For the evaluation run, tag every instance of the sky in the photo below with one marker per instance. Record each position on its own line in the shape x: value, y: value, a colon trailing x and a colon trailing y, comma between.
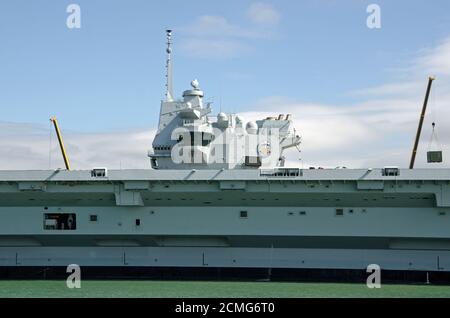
x: 355, y: 92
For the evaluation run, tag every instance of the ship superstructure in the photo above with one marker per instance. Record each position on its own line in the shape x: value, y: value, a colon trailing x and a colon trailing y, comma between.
x: 188, y: 139
x: 208, y: 202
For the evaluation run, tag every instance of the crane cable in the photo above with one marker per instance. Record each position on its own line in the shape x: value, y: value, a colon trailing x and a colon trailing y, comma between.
x: 434, y: 138
x: 434, y: 114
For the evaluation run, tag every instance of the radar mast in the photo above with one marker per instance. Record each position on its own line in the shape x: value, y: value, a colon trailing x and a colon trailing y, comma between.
x: 169, y: 88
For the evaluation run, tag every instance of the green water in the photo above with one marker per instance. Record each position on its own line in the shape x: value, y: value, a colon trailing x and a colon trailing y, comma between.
x: 122, y: 288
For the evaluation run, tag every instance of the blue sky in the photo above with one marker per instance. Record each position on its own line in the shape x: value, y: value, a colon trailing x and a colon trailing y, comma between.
x: 112, y: 69
x: 249, y: 56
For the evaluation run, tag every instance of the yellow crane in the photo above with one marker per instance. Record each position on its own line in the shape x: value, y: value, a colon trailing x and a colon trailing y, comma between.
x: 61, y: 142
x: 419, y: 128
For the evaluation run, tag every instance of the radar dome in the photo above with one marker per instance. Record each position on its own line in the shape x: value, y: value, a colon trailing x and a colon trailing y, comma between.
x: 222, y: 117
x: 251, y: 127
x: 195, y: 84
x: 222, y: 120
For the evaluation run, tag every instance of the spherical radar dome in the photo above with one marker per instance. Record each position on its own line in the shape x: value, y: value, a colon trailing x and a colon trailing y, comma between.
x: 221, y: 117
x: 251, y: 127
x: 195, y: 84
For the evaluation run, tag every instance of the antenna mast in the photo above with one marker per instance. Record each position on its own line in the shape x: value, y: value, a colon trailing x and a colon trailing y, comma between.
x: 169, y: 89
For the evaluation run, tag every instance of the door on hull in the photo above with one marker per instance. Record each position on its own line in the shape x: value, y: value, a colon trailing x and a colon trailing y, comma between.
x: 60, y: 221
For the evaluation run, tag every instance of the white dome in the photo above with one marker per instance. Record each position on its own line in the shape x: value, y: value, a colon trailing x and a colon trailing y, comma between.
x: 195, y: 84
x: 251, y: 127
x: 222, y: 117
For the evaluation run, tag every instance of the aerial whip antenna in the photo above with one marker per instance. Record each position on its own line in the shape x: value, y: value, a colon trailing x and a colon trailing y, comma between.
x: 169, y: 88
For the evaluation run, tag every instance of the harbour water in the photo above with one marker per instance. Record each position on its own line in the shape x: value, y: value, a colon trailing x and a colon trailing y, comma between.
x: 206, y: 289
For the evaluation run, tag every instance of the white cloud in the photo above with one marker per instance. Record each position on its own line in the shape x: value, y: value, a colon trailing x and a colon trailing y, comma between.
x: 213, y: 36
x: 437, y: 60
x: 210, y: 26
x: 27, y: 146
x: 375, y: 133
x: 393, y: 89
x: 217, y: 48
x: 263, y: 13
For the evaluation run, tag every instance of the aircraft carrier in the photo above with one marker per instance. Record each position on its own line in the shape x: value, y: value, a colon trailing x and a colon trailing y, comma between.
x: 218, y: 194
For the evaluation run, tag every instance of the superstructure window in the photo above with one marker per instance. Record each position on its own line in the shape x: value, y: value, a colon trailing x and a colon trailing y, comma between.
x: 390, y: 171
x: 339, y: 212
x: 154, y: 163
x: 99, y: 172
x: 93, y: 217
x: 60, y: 221
x: 244, y: 214
x: 253, y: 161
x: 281, y: 172
x: 192, y: 138
x: 205, y: 142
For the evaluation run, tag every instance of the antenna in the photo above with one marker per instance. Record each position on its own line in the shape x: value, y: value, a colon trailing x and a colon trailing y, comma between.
x: 169, y: 89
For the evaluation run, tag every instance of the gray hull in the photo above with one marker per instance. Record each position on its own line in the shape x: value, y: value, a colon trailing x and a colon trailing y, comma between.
x: 324, y: 219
